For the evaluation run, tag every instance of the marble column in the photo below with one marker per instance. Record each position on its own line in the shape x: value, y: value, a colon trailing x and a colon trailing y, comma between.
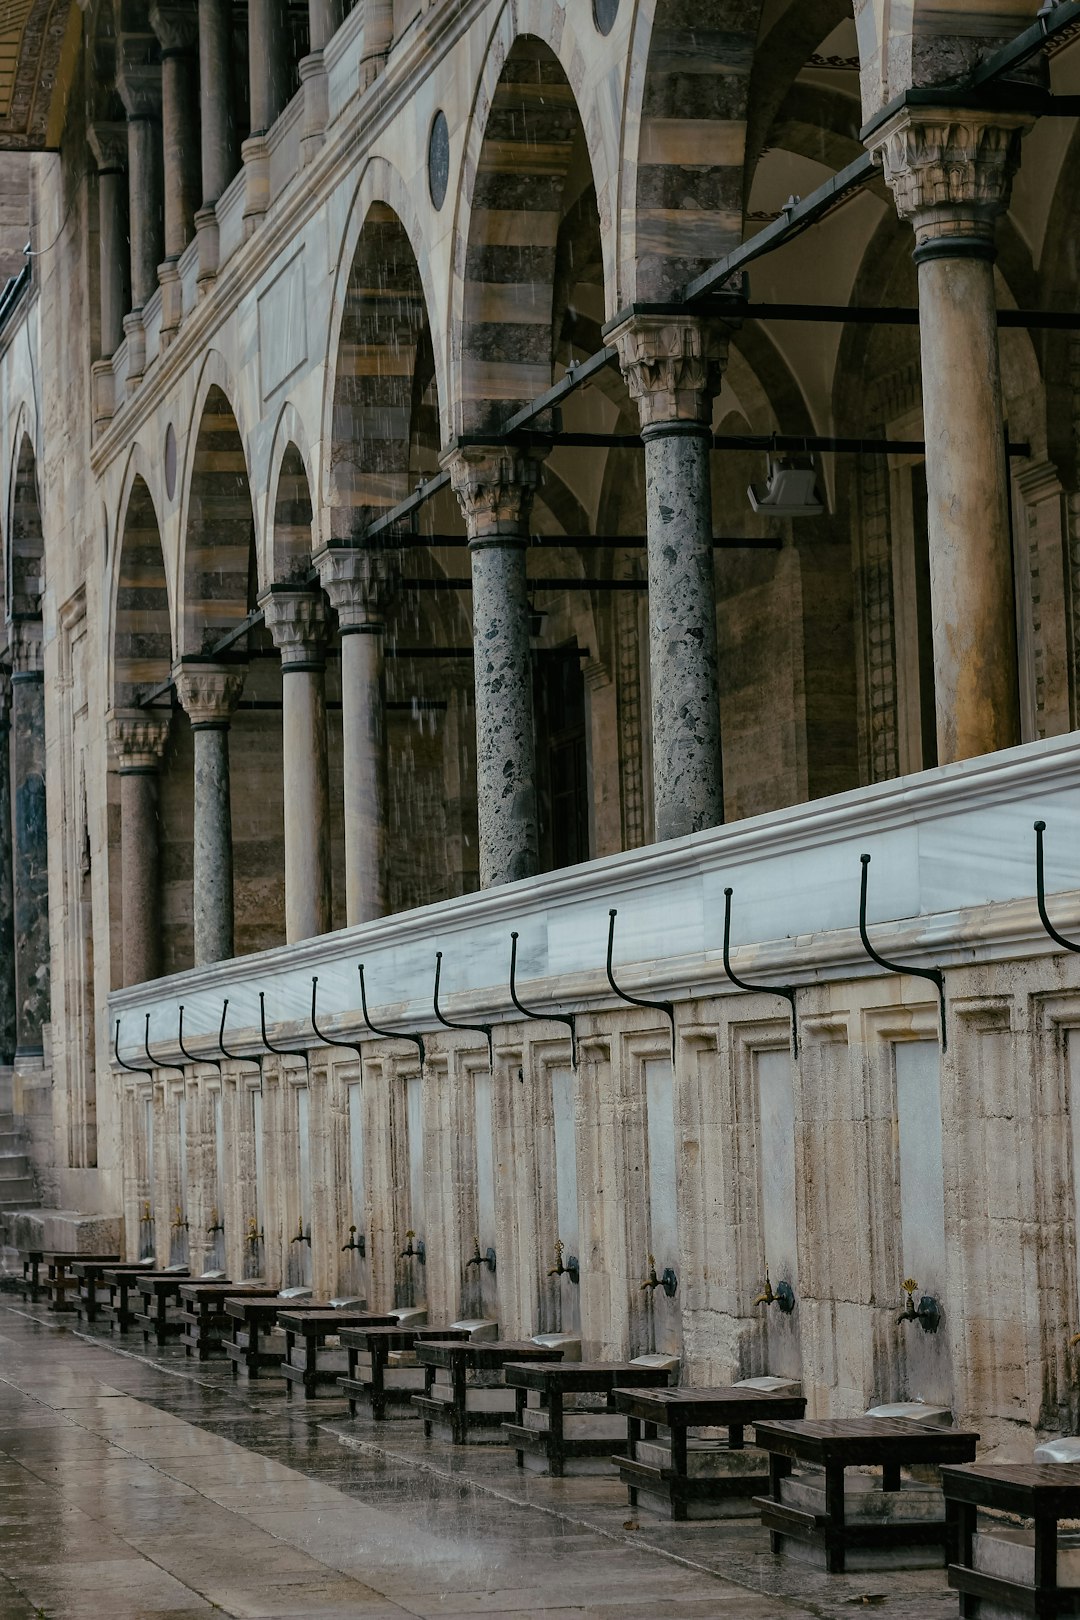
x: 951, y: 174
x: 30, y: 841
x: 7, y: 899
x: 357, y: 582
x: 140, y: 92
x: 673, y: 370
x: 495, y: 487
x: 175, y: 24
x: 109, y: 144
x: 377, y: 39
x: 209, y: 693
x: 138, y: 741
x: 217, y: 125
x: 324, y: 19
x: 268, y: 61
x: 297, y: 621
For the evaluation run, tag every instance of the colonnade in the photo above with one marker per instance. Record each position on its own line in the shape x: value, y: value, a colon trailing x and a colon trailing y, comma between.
x: 24, y: 856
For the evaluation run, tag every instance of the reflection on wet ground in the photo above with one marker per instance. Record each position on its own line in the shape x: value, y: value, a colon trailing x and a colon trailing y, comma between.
x: 137, y: 1485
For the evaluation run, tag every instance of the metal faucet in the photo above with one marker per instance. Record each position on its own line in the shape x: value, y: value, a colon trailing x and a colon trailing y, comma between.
x: 667, y: 1280
x: 783, y: 1295
x: 217, y: 1225
x: 301, y: 1236
x: 571, y: 1269
x: 354, y: 1243
x: 146, y: 1213
x: 479, y: 1259
x: 927, y: 1313
x: 413, y: 1251
x: 178, y: 1223
x: 254, y: 1236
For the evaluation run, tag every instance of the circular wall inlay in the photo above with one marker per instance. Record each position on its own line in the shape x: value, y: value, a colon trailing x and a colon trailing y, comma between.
x: 604, y: 14
x: 438, y: 158
x: 170, y: 461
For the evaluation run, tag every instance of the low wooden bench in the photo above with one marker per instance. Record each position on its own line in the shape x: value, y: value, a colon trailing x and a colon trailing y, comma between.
x: 379, y: 1384
x: 61, y: 1282
x: 542, y: 1424
x: 90, y: 1275
x: 1041, y: 1492
x: 688, y: 1476
x: 306, y: 1331
x: 31, y: 1273
x: 464, y: 1388
x: 204, y: 1320
x: 251, y: 1318
x: 119, y: 1283
x: 160, y: 1320
x: 835, y: 1444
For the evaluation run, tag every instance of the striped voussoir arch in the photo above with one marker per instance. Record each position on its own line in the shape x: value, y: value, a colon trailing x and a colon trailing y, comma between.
x: 692, y: 150
x: 142, y: 644
x: 219, y: 549
x: 383, y: 328
x: 292, y: 518
x: 517, y: 206
x: 26, y: 541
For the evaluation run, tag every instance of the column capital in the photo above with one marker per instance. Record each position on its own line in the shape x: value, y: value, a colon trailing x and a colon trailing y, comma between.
x: 139, y: 88
x: 5, y: 694
x: 209, y: 693
x: 951, y: 171
x: 297, y: 621
x: 137, y: 739
x: 495, y: 485
x: 673, y: 366
x: 109, y: 144
x: 26, y: 652
x: 176, y: 24
x: 359, y: 582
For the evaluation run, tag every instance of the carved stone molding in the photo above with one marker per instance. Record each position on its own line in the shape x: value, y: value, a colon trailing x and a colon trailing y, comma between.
x: 209, y: 693
x: 27, y: 651
x: 175, y: 24
x: 139, y: 87
x: 5, y: 695
x: 495, y: 486
x: 109, y: 144
x: 950, y: 172
x: 359, y: 583
x: 673, y: 368
x: 137, y: 741
x: 297, y: 622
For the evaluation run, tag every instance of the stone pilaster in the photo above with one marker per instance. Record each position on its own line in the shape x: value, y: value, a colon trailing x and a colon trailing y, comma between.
x: 109, y: 145
x: 673, y: 370
x: 30, y: 842
x: 137, y: 741
x: 495, y: 488
x: 7, y: 898
x: 358, y: 583
x: 950, y: 174
x: 209, y: 693
x: 297, y: 621
x: 140, y: 92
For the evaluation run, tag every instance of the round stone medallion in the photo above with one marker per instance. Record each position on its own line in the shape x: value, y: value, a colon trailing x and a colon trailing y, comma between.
x: 438, y: 158
x: 170, y: 461
x: 604, y: 14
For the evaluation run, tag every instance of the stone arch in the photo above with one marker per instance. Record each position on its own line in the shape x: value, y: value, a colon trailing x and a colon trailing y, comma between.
x: 26, y: 541
x: 218, y: 558
x: 291, y: 522
x: 532, y: 151
x: 141, y: 641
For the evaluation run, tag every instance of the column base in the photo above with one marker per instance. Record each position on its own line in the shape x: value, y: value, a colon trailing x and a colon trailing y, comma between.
x: 135, y: 333
x: 172, y: 300
x: 316, y: 87
x: 103, y: 391
x: 208, y: 243
x: 255, y: 153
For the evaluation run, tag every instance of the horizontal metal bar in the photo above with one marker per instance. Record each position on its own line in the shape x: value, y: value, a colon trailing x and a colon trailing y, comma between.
x: 1049, y: 28
x: 405, y: 508
x: 592, y: 542
x: 871, y: 315
x: 575, y: 378
x: 782, y: 442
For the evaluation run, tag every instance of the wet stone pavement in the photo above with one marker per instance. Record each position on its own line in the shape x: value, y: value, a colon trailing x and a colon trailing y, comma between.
x: 141, y: 1484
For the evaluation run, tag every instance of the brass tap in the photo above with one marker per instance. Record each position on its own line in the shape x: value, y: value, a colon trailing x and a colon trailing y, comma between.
x: 1074, y: 1340
x: 178, y: 1223
x: 301, y: 1236
x: 927, y: 1313
x: 217, y: 1225
x: 667, y: 1280
x: 477, y: 1257
x: 412, y: 1251
x: 254, y: 1236
x: 146, y: 1215
x: 652, y: 1281
x: 782, y: 1295
x: 354, y: 1243
x: 767, y: 1297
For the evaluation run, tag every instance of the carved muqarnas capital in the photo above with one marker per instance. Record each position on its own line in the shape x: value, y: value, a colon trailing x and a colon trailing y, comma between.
x: 138, y: 740
x: 950, y: 173
x: 209, y: 694
x: 297, y: 622
x: 27, y: 651
x: 495, y: 486
x: 673, y: 368
x: 359, y: 582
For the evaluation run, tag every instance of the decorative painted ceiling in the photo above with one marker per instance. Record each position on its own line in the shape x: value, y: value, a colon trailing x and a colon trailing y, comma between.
x: 38, y: 44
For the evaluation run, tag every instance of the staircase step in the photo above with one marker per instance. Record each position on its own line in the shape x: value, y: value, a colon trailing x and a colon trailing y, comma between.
x: 12, y: 1166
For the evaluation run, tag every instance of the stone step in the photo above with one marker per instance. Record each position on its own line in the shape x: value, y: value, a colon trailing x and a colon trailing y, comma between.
x: 13, y: 1166
x: 17, y: 1192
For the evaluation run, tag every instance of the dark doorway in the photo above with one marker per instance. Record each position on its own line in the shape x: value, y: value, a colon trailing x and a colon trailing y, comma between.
x: 561, y: 759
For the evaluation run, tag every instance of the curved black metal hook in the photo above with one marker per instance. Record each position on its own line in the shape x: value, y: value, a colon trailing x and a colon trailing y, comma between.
x: 158, y: 1063
x: 132, y: 1068
x: 665, y: 1007
x: 475, y: 1029
x: 785, y: 990
x: 1040, y: 888
x: 330, y: 1040
x: 388, y: 1034
x: 190, y: 1055
x: 551, y: 1017
x: 279, y: 1051
x: 236, y: 1057
x: 934, y: 975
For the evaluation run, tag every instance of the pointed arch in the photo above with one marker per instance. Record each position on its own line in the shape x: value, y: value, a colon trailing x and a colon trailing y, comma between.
x: 26, y: 541
x: 217, y: 559
x: 291, y: 523
x: 142, y: 641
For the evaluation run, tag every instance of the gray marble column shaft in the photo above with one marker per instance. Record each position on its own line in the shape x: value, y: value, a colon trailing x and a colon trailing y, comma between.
x: 209, y: 697
x: 180, y: 133
x: 495, y: 489
x: 296, y: 619
x: 268, y: 61
x: 219, y: 150
x: 145, y: 228
x: 673, y: 371
x: 324, y: 20
x: 358, y: 583
x: 7, y: 899
x: 137, y: 739
x: 31, y: 848
x: 113, y: 255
